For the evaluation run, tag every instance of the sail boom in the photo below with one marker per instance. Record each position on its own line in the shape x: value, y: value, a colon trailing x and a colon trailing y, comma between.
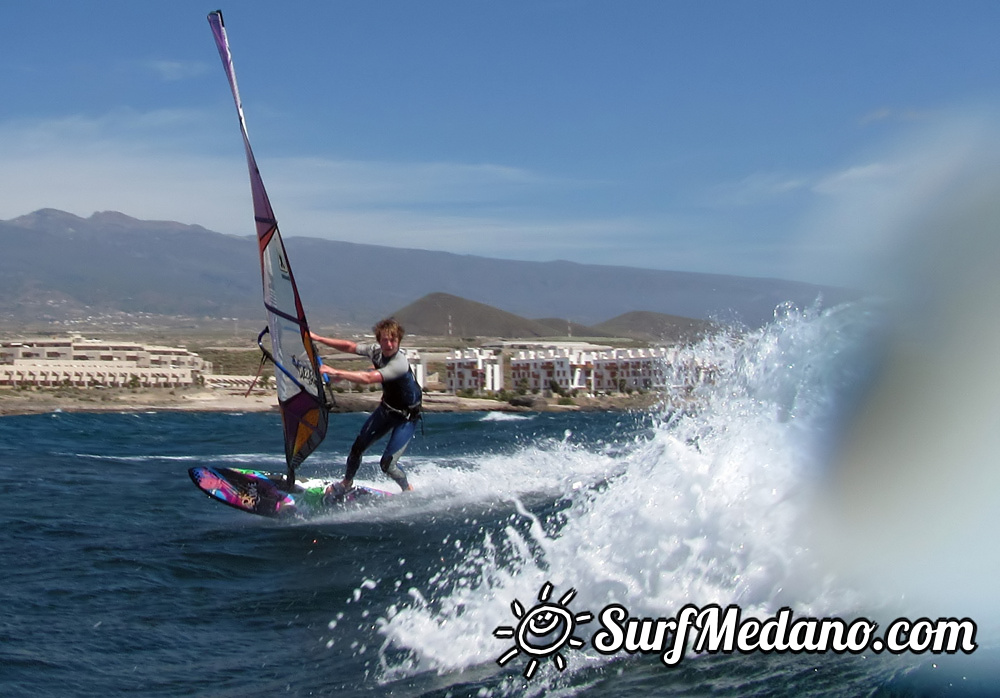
x: 291, y: 376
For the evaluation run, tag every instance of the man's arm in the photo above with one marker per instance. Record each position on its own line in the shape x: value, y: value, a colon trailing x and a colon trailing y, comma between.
x: 344, y: 345
x: 359, y: 377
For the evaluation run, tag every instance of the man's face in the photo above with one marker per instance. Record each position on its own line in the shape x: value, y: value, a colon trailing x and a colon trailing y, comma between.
x: 389, y: 344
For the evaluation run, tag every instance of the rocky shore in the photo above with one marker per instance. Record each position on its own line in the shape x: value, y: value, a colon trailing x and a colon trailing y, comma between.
x: 41, y: 401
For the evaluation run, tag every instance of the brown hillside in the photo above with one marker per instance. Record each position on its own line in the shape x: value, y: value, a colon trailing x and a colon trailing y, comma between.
x: 655, y: 327
x: 443, y: 315
x: 561, y: 328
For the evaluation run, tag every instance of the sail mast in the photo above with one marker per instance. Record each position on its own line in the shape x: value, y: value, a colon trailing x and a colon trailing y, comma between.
x: 302, y: 402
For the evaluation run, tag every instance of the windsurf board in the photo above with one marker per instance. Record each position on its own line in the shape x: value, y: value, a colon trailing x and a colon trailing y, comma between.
x: 257, y: 492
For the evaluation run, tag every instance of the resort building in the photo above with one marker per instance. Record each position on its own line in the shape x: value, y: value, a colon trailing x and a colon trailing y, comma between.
x: 628, y: 369
x: 78, y: 362
x: 567, y: 367
x: 474, y: 369
x: 603, y: 371
x: 537, y: 370
x: 417, y: 365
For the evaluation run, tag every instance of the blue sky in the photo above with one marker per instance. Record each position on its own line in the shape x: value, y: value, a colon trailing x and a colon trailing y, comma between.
x: 771, y: 138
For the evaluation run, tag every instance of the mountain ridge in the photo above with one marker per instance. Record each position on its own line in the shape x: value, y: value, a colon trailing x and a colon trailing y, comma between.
x: 442, y: 314
x: 57, y: 265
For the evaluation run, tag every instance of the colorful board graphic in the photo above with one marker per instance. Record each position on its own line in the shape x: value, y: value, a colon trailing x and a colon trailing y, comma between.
x: 258, y: 493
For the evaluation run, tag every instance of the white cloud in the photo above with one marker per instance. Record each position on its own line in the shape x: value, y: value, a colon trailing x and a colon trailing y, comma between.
x: 898, y: 115
x: 351, y: 184
x: 871, y: 174
x: 173, y: 71
x: 188, y: 166
x: 120, y: 129
x: 757, y: 188
x: 168, y: 165
x: 870, y: 211
x: 125, y: 160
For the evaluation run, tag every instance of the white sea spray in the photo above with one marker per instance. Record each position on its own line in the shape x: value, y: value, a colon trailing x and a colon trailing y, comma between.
x: 707, y: 507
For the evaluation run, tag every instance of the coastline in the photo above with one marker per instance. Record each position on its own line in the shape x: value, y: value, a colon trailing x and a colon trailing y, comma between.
x: 42, y: 401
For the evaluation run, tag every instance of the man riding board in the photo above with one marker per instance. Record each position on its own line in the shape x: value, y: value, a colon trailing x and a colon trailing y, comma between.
x: 399, y: 410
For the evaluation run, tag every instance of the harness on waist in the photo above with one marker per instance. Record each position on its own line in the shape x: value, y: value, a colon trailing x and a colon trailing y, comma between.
x: 409, y: 413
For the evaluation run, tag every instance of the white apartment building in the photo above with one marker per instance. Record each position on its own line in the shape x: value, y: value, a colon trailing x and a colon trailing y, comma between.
x: 612, y: 370
x: 539, y: 369
x: 622, y: 369
x: 475, y: 369
x: 417, y: 365
x: 79, y: 362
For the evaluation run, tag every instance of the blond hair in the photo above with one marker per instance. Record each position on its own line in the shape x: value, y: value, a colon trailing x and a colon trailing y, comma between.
x: 389, y: 326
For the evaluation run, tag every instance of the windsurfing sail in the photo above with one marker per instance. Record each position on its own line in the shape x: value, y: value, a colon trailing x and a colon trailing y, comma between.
x: 301, y: 399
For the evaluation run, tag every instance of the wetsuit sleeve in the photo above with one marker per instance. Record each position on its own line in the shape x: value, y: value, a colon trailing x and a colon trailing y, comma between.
x: 366, y: 350
x: 397, y: 367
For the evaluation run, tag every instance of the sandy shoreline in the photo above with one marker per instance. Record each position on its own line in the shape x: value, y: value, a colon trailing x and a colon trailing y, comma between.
x: 14, y: 402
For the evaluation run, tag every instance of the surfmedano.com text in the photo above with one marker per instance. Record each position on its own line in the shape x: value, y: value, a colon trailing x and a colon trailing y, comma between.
x: 714, y: 630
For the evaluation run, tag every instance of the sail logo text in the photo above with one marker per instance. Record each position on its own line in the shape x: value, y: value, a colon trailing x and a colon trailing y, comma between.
x: 307, y: 375
x: 548, y: 628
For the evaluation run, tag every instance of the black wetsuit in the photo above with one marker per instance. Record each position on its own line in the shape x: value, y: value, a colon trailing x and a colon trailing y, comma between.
x: 398, y: 412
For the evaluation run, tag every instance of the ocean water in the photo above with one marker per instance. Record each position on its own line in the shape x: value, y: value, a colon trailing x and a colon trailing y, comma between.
x: 117, y: 576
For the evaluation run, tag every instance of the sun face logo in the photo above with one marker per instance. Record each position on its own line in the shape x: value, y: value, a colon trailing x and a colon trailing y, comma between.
x: 542, y: 631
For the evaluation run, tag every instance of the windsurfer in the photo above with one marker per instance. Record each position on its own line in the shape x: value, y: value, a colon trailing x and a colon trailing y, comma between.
x: 399, y: 410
